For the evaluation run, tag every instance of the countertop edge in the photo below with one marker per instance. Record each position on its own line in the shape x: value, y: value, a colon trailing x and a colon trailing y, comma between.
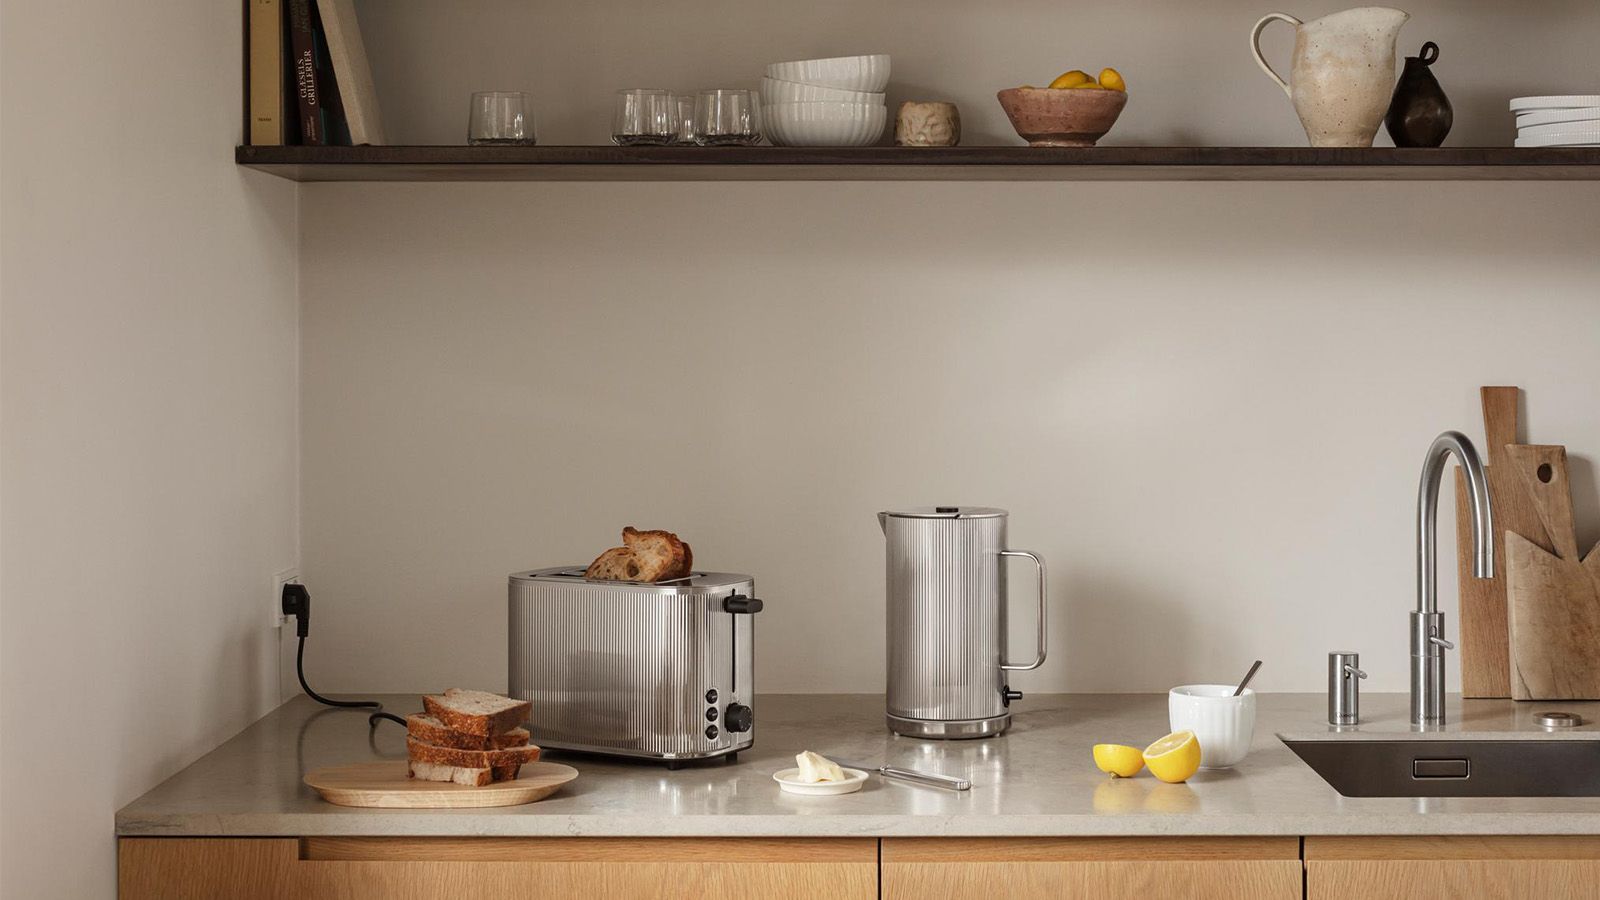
x: 420, y: 823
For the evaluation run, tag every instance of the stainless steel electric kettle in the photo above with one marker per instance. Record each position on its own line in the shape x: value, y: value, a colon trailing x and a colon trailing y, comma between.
x: 946, y: 592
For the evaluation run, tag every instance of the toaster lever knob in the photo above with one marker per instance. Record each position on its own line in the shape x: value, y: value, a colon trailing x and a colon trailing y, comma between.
x: 739, y: 603
x: 739, y: 717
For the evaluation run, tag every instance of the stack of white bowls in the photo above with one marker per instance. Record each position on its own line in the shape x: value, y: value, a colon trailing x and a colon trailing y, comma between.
x: 825, y: 102
x: 1572, y: 120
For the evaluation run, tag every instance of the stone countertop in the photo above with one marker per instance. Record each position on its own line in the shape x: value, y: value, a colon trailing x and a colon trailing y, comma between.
x: 1037, y: 780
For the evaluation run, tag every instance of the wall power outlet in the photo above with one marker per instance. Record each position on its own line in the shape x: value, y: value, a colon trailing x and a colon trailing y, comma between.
x: 287, y: 576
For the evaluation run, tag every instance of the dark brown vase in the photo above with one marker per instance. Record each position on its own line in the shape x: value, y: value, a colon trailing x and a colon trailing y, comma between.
x: 1420, y: 114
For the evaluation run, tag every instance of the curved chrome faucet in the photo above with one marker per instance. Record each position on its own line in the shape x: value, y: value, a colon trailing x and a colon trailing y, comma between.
x: 1427, y: 623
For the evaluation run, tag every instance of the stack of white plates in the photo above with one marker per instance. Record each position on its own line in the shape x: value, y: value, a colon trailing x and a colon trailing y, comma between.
x: 1572, y: 120
x: 825, y: 102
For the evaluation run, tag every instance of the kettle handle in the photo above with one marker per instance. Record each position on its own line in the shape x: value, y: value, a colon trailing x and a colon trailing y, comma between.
x: 1043, y: 607
x: 1255, y: 46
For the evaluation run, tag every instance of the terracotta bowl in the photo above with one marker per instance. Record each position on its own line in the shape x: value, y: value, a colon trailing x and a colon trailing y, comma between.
x: 1046, y: 117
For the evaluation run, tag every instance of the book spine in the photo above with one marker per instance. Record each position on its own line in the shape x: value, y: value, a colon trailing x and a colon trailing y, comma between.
x: 303, y: 63
x: 266, y: 72
x: 336, y: 130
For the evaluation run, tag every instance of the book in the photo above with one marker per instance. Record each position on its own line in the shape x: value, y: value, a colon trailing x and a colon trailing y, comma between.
x: 337, y: 130
x: 357, y: 95
x: 266, y: 73
x: 303, y: 66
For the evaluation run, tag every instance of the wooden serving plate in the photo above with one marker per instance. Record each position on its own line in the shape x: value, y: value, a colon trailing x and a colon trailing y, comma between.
x: 385, y: 785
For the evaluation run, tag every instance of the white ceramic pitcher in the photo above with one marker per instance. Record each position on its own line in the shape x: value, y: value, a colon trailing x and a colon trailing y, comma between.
x: 1341, y: 77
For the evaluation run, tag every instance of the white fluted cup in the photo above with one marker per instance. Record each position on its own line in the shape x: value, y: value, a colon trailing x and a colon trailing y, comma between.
x: 1224, y: 724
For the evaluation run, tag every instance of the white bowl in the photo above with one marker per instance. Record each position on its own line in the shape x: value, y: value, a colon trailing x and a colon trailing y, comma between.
x: 824, y: 124
x: 847, y: 73
x: 1557, y: 116
x: 775, y: 91
x: 789, y: 780
x: 1222, y: 723
x: 1523, y: 104
x: 1528, y: 131
x: 1590, y: 138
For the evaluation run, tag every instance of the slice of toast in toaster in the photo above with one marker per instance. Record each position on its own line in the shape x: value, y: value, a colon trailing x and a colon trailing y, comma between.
x: 645, y: 556
x: 476, y: 712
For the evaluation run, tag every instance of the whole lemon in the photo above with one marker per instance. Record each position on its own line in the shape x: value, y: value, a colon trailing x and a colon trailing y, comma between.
x: 1071, y: 79
x: 1111, y: 79
x: 1118, y: 759
x: 1175, y: 757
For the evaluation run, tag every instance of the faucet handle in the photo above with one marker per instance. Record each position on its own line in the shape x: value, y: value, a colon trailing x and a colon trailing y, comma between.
x: 1352, y: 670
x: 1435, y: 639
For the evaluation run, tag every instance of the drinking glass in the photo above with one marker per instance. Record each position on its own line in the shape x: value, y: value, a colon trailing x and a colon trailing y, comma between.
x: 644, y: 116
x: 723, y: 117
x: 683, y: 110
x: 500, y: 117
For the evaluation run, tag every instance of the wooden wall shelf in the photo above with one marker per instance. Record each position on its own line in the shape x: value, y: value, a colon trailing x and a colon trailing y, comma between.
x: 608, y: 163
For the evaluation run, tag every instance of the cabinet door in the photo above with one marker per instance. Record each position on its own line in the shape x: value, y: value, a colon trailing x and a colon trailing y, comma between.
x: 1098, y: 868
x: 457, y: 868
x: 1452, y: 868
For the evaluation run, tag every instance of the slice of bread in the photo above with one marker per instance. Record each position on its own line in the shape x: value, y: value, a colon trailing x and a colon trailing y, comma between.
x: 430, y: 730
x: 476, y: 712
x: 417, y: 751
x: 660, y: 550
x: 616, y: 564
x: 427, y: 771
x: 645, y: 556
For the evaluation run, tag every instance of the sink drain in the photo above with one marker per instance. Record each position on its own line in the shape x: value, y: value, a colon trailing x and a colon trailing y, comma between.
x: 1558, y: 719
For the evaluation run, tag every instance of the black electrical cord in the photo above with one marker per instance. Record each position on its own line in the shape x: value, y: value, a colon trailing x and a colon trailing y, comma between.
x: 375, y: 706
x: 297, y: 603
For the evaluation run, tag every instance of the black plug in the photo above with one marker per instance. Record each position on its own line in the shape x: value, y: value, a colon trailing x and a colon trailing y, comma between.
x: 297, y: 603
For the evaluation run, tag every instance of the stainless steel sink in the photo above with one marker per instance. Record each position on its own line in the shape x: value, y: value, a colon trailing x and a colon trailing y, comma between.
x: 1453, y: 765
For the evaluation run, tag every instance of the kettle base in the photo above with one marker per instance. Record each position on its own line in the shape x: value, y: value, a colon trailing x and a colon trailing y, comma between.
x: 949, y: 729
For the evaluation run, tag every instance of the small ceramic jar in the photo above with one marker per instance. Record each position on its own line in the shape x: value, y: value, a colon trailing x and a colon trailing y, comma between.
x: 927, y: 124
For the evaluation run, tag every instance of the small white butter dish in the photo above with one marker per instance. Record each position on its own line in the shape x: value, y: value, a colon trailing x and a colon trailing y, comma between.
x: 789, y: 780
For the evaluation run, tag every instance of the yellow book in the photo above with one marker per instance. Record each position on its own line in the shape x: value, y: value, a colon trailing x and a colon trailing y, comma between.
x: 266, y: 72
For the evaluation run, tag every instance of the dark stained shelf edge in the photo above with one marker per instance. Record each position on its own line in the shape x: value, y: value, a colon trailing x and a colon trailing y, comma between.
x: 609, y: 163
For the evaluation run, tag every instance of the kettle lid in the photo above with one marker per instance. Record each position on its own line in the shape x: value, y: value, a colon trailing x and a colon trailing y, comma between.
x: 946, y: 512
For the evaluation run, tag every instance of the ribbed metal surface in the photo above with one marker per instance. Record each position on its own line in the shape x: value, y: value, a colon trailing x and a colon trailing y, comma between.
x: 946, y: 618
x: 624, y: 669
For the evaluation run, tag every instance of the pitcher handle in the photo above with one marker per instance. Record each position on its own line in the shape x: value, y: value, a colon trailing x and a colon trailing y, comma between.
x: 1043, y: 606
x: 1255, y: 46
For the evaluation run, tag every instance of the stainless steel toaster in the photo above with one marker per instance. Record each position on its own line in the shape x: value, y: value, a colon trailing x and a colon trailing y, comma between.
x: 658, y: 671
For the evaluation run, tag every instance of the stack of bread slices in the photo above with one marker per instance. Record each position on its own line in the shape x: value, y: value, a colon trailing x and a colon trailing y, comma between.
x: 469, y: 737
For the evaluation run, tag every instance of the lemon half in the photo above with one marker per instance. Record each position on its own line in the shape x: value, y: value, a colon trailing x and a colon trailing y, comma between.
x: 1118, y: 759
x: 1175, y: 757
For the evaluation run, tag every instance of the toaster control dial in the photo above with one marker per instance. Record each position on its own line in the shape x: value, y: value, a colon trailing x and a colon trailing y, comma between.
x: 739, y: 717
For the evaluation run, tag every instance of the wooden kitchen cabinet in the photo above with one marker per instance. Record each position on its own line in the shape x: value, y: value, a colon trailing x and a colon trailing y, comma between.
x: 1201, y: 868
x: 456, y: 868
x: 1452, y: 868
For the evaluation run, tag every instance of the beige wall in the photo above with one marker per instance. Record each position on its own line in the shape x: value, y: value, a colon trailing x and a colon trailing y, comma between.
x: 148, y: 406
x: 1206, y: 405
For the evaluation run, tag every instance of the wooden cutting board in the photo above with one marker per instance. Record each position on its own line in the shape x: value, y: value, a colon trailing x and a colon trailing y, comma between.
x: 386, y: 785
x: 1554, y: 598
x: 1485, y: 636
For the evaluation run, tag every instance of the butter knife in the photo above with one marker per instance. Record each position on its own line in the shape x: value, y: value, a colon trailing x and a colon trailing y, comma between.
x: 931, y: 779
